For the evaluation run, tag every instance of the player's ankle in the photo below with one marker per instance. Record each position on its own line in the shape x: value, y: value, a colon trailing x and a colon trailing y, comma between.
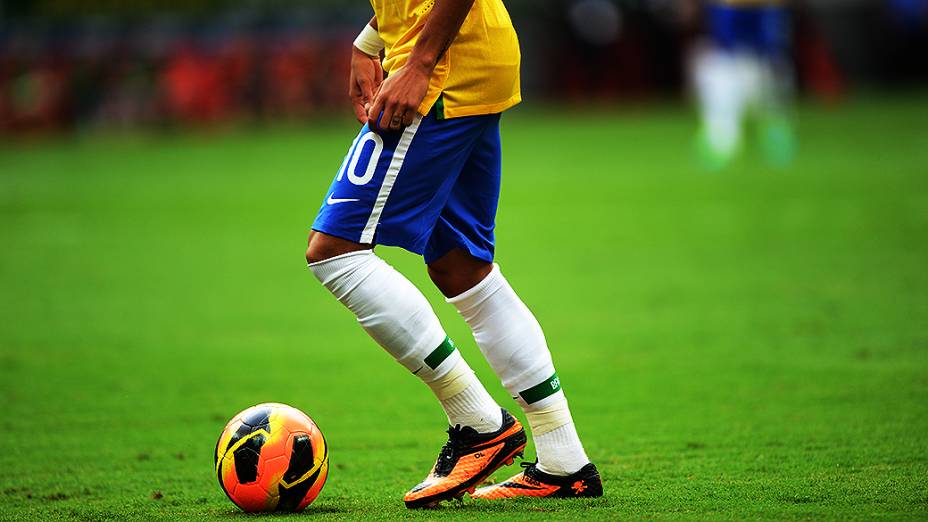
x: 562, y: 470
x: 557, y: 444
x: 465, y: 401
x: 560, y: 452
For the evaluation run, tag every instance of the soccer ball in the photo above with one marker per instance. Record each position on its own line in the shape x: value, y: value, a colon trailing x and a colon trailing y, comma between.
x: 272, y: 457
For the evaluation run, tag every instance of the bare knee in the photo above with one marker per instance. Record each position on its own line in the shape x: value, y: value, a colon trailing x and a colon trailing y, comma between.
x: 323, y: 246
x: 458, y: 272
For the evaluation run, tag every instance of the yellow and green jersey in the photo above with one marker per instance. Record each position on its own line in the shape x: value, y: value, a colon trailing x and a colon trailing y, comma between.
x: 477, y: 74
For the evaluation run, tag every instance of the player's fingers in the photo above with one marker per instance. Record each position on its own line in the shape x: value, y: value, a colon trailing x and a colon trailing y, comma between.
x: 359, y: 101
x: 403, y: 114
x: 374, y: 112
x: 389, y: 118
x: 399, y: 116
x: 366, y: 88
x: 360, y: 111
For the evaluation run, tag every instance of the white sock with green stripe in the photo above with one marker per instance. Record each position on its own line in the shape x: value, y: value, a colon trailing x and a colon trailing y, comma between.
x: 396, y: 315
x: 513, y: 343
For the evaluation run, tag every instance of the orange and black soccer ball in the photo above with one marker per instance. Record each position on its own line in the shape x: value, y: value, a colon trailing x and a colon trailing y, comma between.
x: 272, y: 457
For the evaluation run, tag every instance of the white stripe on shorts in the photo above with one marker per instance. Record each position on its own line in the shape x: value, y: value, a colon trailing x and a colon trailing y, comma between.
x: 389, y: 179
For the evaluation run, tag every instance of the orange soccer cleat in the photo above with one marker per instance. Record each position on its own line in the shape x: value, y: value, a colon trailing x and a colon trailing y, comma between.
x: 535, y: 483
x: 466, y: 460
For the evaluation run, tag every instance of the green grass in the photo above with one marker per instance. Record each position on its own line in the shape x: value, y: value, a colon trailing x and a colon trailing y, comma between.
x: 752, y: 344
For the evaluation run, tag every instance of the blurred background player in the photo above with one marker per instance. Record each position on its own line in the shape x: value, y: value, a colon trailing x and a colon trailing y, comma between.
x: 742, y: 75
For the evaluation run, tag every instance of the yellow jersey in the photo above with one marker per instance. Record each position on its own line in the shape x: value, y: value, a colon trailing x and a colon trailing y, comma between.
x: 477, y: 74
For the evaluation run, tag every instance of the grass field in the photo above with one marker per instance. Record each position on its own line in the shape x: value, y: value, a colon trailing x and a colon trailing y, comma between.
x: 752, y: 344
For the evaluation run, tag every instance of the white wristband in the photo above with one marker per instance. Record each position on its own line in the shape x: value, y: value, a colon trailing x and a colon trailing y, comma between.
x: 369, y: 41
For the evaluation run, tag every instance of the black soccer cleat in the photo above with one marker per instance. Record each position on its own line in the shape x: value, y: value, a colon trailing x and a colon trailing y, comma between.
x: 466, y: 460
x: 533, y: 482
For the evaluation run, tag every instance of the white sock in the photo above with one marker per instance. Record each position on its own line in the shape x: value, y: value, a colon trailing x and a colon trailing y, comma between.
x: 396, y: 315
x: 513, y: 343
x: 510, y: 338
x: 556, y: 441
x: 466, y: 401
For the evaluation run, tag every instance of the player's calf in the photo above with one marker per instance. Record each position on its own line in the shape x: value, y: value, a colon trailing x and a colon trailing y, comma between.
x: 513, y: 343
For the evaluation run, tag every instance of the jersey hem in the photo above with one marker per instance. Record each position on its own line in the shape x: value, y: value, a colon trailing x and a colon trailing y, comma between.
x: 480, y: 110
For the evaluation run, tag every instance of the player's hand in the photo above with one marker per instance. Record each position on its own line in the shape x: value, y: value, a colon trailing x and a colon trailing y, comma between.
x: 363, y: 81
x: 399, y: 97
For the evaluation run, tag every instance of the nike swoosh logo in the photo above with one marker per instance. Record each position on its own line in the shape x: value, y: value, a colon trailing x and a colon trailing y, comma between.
x: 333, y: 201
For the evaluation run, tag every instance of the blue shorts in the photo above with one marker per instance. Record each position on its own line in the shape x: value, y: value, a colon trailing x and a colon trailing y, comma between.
x: 429, y: 188
x: 762, y: 29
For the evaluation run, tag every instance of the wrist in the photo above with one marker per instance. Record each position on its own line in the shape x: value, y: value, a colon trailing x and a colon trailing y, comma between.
x: 369, y: 42
x: 421, y: 64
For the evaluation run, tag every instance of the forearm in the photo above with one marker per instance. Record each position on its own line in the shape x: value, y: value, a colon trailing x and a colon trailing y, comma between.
x: 441, y: 28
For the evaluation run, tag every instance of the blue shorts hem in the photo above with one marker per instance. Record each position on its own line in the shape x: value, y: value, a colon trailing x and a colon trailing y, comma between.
x: 333, y: 230
x: 428, y: 256
x: 436, y: 250
x: 482, y: 255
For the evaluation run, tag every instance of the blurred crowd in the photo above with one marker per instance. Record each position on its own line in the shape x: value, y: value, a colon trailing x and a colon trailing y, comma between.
x: 82, y: 74
x: 68, y: 65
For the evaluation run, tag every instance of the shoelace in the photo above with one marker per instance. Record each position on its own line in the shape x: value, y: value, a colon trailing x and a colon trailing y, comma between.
x: 448, y: 455
x: 528, y: 468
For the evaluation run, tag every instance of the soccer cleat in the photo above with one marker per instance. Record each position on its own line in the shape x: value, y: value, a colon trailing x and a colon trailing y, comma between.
x: 466, y: 460
x: 535, y: 483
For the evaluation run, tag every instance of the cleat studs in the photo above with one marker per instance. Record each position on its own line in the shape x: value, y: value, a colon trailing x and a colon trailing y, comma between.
x: 509, y: 461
